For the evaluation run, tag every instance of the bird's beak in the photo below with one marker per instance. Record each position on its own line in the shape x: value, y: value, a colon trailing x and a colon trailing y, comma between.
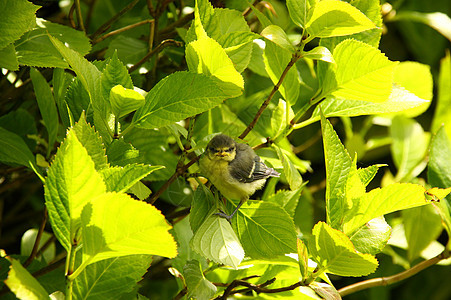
x: 222, y: 154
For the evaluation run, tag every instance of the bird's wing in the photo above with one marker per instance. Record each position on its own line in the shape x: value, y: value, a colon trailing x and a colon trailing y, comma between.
x: 251, y: 169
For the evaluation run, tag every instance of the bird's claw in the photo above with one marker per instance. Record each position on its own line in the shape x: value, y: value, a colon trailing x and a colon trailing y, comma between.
x: 222, y: 214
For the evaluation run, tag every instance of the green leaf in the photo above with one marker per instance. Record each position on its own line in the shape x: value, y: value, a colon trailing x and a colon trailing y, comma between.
x: 92, y: 142
x: 265, y: 230
x: 216, y: 240
x: 61, y: 81
x: 382, y: 201
x: 206, y: 56
x: 13, y: 149
x: 121, y: 153
x: 299, y: 10
x: 227, y: 27
x: 439, y: 172
x: 203, y: 201
x: 87, y: 73
x: 124, y: 101
x: 114, y: 73
x: 276, y: 59
x: 120, y: 179
x: 399, y: 100
x: 16, y: 18
x: 437, y: 20
x: 290, y: 172
x: 338, y: 165
x: 195, y: 93
x: 198, y: 286
x: 101, y: 281
x: 47, y: 106
x: 409, y: 146
x: 23, y: 284
x: 71, y: 183
x: 334, y: 252
x: 320, y: 53
x: 286, y: 199
x: 29, y: 239
x: 302, y: 258
x: 443, y: 110
x: 278, y: 36
x: 77, y: 101
x: 336, y: 18
x: 281, y: 117
x: 238, y: 46
x: 22, y: 123
x: 116, y: 225
x: 362, y: 73
x: 35, y: 48
x: 8, y: 58
x: 422, y: 225
x: 372, y: 237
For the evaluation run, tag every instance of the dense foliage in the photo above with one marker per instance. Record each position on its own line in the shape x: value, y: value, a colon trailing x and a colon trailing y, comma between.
x: 107, y: 106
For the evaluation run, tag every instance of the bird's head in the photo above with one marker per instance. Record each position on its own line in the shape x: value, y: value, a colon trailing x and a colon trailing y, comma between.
x: 221, y: 147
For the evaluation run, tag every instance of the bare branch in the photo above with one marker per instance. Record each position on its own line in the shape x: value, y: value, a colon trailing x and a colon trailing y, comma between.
x: 383, y: 281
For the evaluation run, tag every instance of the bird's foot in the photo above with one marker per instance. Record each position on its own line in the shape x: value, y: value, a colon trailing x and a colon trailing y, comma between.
x: 222, y: 214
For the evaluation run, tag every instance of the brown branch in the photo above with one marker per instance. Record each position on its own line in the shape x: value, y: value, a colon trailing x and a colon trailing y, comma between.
x: 174, y: 176
x: 260, y: 288
x: 71, y: 16
x: 182, y: 293
x: 120, y: 30
x: 35, y: 249
x: 179, y: 23
x: 108, y: 23
x: 383, y: 281
x: 157, y: 49
x: 81, y: 26
x: 251, y: 125
x: 90, y: 12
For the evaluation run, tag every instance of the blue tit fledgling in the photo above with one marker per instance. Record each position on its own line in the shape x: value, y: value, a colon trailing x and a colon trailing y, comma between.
x: 234, y: 169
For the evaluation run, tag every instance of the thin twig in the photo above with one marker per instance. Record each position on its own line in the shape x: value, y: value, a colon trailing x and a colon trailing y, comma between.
x: 383, y: 281
x: 89, y: 14
x: 174, y: 176
x: 79, y: 16
x: 179, y: 23
x: 120, y: 30
x: 181, y: 294
x: 157, y: 49
x: 108, y: 23
x: 35, y: 249
x: 260, y: 288
x: 251, y: 125
x: 71, y: 16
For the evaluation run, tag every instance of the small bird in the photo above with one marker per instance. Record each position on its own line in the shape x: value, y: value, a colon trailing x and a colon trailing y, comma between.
x: 234, y: 169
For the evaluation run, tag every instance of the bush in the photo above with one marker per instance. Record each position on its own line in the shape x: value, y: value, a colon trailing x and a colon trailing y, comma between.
x: 108, y: 106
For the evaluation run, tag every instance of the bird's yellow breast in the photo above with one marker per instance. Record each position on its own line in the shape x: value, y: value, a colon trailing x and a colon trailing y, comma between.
x: 218, y: 173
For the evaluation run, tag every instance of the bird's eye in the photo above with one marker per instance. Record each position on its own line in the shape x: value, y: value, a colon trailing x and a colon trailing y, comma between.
x: 230, y: 149
x: 213, y: 149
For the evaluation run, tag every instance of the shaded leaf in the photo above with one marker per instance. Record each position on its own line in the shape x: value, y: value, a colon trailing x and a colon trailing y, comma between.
x: 198, y: 286
x: 14, y: 24
x: 13, y: 149
x: 99, y: 281
x: 46, y: 104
